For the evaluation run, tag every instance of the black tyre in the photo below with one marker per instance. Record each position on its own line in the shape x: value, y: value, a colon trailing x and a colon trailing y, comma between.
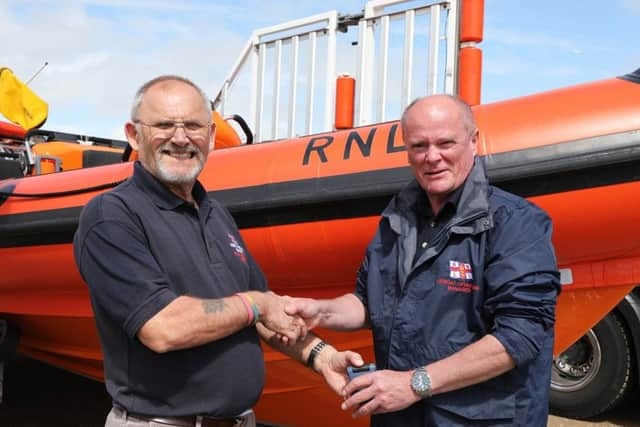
x: 9, y: 337
x: 594, y: 374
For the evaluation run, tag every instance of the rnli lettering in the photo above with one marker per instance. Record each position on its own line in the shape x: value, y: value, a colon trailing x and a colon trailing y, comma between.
x: 391, y: 147
x: 317, y: 145
x: 319, y: 148
x: 365, y: 147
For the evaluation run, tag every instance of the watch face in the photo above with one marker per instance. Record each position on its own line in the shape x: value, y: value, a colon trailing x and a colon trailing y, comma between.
x: 421, y: 383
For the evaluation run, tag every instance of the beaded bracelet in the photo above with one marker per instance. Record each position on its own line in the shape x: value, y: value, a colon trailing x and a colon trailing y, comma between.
x: 247, y: 305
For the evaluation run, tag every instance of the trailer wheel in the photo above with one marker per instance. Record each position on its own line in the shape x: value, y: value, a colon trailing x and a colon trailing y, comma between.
x: 9, y: 337
x: 594, y: 374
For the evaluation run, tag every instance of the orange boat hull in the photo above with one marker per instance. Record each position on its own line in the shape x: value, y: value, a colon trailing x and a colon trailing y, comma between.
x: 307, y: 209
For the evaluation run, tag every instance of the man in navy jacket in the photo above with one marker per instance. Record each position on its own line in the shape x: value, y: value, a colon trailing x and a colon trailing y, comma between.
x: 459, y: 287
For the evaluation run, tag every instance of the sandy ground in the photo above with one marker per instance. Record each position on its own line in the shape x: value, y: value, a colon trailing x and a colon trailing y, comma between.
x: 37, y: 395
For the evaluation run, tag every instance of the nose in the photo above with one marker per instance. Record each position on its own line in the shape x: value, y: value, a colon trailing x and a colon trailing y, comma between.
x: 179, y: 134
x: 431, y: 155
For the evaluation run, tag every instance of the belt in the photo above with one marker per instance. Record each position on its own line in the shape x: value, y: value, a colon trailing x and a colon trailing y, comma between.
x: 187, y: 421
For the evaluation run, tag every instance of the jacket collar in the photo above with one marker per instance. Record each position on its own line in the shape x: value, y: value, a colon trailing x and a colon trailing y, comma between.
x: 472, y: 205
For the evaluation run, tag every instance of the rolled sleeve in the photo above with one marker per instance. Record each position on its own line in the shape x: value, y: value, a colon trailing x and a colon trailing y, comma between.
x: 523, y: 281
x: 361, y: 281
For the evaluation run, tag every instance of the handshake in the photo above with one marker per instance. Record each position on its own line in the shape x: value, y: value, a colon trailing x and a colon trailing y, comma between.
x: 285, y: 324
x: 290, y: 319
x: 280, y: 315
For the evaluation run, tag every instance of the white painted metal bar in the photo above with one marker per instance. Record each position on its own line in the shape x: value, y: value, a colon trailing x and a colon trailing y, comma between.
x: 453, y: 43
x: 275, y: 117
x: 367, y: 50
x: 262, y: 51
x: 291, y: 26
x: 375, y: 8
x: 223, y: 98
x: 330, y: 79
x: 311, y: 83
x: 253, y: 90
x: 434, y: 42
x: 407, y: 60
x: 293, y: 93
x: 240, y: 62
x: 383, y: 69
x: 360, y: 73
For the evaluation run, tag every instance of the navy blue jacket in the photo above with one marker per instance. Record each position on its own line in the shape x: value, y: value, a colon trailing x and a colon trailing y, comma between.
x: 490, y: 270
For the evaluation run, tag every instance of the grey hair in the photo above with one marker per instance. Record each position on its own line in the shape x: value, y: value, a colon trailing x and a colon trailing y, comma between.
x: 467, y: 114
x: 139, y: 96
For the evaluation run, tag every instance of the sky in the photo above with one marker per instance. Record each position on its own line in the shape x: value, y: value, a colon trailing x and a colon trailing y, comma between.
x: 100, y: 51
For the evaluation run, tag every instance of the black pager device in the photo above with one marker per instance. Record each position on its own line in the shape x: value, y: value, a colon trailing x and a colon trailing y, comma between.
x: 354, y: 372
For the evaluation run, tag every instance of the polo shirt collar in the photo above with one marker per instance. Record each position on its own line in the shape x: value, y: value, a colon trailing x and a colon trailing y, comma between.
x: 422, y: 206
x: 161, y: 195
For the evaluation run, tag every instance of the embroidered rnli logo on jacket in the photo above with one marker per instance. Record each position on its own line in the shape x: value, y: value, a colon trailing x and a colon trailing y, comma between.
x: 238, y: 250
x: 460, y: 278
x: 460, y: 270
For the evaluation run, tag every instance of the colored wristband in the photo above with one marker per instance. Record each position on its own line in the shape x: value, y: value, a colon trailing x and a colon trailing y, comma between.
x: 247, y: 305
x: 254, y: 309
x: 314, y: 352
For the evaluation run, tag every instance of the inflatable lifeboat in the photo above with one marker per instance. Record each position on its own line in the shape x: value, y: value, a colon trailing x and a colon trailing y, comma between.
x: 307, y: 208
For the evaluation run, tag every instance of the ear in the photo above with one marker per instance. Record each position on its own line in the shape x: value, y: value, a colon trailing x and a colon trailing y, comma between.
x: 132, y: 134
x: 474, y: 141
x: 212, y: 141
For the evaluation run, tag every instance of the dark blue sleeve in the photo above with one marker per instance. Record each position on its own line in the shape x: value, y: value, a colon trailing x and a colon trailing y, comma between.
x: 361, y: 280
x: 113, y: 257
x: 523, y: 280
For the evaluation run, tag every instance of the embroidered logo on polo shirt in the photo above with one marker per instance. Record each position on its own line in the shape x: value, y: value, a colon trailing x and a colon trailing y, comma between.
x: 238, y: 250
x: 460, y: 270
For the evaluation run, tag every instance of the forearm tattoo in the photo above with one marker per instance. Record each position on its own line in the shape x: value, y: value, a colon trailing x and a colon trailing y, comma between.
x: 213, y: 305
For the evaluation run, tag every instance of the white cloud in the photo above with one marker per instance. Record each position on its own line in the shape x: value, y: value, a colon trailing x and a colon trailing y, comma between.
x: 97, y: 61
x: 82, y: 64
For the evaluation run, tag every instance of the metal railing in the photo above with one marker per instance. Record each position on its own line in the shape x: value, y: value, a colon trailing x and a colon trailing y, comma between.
x: 292, y: 68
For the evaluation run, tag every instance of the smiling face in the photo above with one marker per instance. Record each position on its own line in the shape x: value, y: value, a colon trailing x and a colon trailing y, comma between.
x: 441, y: 145
x: 172, y: 134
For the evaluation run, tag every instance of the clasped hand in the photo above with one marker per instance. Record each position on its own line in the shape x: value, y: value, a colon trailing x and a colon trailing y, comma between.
x: 288, y: 328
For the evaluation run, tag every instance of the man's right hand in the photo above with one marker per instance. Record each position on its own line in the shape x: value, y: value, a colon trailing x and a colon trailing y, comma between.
x: 289, y: 328
x: 306, y: 308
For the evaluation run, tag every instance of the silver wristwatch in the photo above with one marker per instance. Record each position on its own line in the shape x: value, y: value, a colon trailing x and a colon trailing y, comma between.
x: 421, y: 382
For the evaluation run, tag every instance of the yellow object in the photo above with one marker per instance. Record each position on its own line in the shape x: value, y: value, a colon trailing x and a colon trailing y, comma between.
x: 19, y: 104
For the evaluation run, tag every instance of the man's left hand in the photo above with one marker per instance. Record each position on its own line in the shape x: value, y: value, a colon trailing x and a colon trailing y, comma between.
x: 334, y: 370
x: 379, y: 392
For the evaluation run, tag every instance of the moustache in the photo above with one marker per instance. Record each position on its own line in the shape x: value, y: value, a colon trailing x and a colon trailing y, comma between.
x: 178, y: 149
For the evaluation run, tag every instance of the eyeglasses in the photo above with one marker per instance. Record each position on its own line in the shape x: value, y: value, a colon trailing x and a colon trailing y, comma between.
x: 167, y: 128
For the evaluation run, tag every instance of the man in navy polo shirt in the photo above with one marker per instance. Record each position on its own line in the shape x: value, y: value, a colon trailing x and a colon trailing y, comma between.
x: 179, y: 302
x: 459, y: 287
